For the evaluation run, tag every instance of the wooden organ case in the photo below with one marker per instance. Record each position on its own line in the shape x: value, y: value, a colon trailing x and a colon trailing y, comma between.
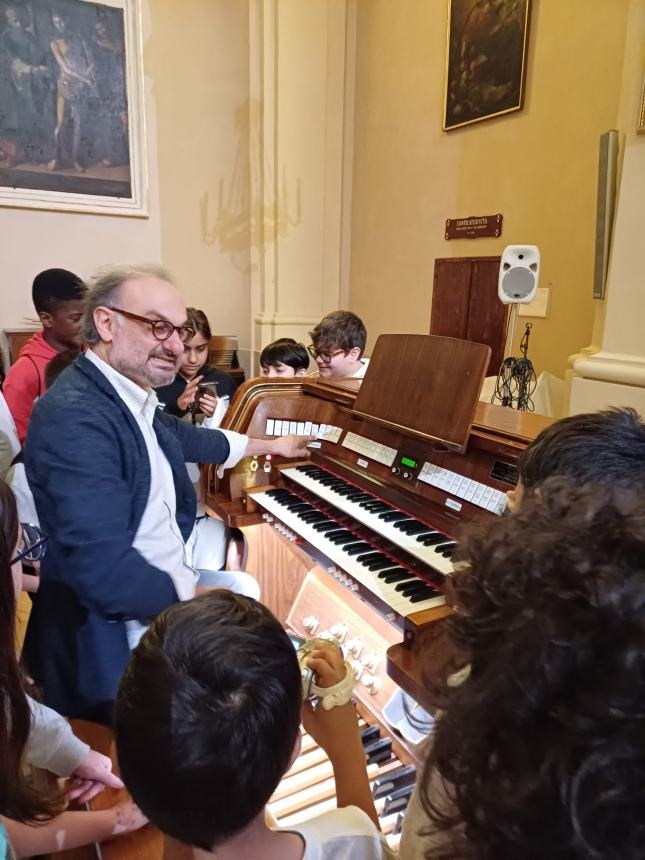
x: 356, y: 543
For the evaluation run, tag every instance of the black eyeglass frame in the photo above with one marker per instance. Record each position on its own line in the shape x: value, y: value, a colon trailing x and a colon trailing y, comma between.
x: 325, y: 356
x: 186, y: 333
x: 40, y: 544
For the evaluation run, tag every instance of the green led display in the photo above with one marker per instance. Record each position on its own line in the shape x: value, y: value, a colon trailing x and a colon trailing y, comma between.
x: 406, y: 461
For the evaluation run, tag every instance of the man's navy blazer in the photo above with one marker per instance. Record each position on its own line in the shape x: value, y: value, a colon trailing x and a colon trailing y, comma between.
x: 89, y: 471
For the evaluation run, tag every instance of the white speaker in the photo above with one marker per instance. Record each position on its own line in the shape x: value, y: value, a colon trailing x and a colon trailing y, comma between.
x: 519, y: 273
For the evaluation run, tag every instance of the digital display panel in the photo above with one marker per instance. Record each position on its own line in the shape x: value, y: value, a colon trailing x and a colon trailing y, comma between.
x: 409, y: 462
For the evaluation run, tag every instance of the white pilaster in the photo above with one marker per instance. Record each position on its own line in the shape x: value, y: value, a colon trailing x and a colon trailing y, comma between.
x: 300, y: 148
x: 615, y: 374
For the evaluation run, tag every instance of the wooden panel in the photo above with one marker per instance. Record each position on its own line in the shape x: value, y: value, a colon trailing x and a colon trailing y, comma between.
x: 450, y: 298
x: 331, y: 603
x: 16, y: 339
x: 428, y: 385
x: 279, y: 567
x: 487, y: 316
x: 420, y: 666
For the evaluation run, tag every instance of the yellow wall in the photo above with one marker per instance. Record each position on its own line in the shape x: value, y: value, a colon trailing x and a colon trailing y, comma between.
x: 196, y: 77
x: 537, y: 166
x: 198, y: 59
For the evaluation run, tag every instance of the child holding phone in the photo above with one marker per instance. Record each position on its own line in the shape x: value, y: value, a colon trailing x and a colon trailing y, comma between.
x: 198, y: 388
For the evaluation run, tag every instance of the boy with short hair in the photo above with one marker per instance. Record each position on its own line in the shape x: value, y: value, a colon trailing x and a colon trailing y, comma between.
x: 208, y: 721
x: 58, y: 298
x: 337, y: 345
x: 606, y: 448
x: 284, y: 358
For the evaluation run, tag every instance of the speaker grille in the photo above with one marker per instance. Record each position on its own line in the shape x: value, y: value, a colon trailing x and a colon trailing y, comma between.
x: 518, y: 283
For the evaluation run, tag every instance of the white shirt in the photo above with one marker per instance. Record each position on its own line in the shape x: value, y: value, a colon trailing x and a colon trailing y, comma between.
x: 343, y: 834
x: 9, y: 442
x: 158, y: 538
x: 362, y: 370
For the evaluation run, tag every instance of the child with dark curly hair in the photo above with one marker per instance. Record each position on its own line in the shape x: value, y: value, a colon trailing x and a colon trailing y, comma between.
x: 538, y: 751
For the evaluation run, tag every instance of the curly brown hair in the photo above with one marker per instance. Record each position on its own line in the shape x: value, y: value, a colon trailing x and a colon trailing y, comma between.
x: 541, y: 749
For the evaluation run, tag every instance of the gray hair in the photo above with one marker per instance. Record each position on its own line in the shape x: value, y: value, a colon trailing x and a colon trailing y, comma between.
x: 104, y: 288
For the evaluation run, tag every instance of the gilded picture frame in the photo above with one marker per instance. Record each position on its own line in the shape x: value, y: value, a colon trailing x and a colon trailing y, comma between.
x: 486, y: 51
x: 641, y: 114
x: 72, y: 119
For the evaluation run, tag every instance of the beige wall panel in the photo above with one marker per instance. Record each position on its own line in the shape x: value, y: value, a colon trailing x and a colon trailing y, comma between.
x: 537, y: 167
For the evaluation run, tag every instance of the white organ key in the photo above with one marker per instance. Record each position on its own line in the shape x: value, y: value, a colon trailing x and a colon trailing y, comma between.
x: 427, y: 554
x: 369, y: 579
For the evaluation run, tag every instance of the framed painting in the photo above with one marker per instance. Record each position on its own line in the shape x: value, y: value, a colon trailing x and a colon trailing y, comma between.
x: 485, y: 59
x: 72, y: 130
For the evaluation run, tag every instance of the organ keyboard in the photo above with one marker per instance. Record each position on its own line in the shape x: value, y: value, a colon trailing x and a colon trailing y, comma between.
x: 389, y: 486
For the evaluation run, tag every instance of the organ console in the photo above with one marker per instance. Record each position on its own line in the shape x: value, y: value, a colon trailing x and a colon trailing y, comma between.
x: 356, y: 543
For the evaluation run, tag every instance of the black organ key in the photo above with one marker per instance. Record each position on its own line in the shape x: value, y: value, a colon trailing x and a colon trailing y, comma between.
x: 360, y: 496
x: 298, y: 506
x: 394, y: 780
x: 357, y: 547
x: 396, y: 575
x: 342, y: 540
x: 368, y: 557
x: 407, y: 523
x: 418, y: 588
x: 378, y: 751
x: 371, y: 733
x: 323, y: 525
x: 397, y: 801
x: 353, y: 543
x: 434, y: 540
x: 379, y: 565
x: 375, y: 506
x: 412, y: 582
x: 393, y: 516
x: 398, y: 824
x: 414, y: 528
x: 419, y: 596
x: 337, y: 535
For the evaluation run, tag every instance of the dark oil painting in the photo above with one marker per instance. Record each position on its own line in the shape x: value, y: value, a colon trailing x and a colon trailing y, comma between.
x: 63, y: 98
x: 486, y: 59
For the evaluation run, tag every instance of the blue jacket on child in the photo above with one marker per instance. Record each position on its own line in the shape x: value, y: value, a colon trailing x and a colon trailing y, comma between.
x: 89, y: 471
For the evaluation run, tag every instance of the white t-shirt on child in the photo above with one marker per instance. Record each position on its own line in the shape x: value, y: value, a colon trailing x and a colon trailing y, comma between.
x: 343, y: 834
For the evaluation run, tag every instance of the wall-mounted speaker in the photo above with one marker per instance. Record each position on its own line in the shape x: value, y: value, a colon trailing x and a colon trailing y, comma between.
x: 607, y: 171
x: 519, y: 273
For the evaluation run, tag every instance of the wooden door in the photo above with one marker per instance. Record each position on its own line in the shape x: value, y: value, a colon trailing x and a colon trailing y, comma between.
x: 465, y: 304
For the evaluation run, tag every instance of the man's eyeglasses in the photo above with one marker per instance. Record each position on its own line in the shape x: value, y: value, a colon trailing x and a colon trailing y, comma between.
x: 161, y: 329
x: 324, y: 356
x: 33, y: 544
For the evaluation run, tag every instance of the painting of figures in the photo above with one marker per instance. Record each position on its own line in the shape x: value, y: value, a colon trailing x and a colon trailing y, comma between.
x: 65, y: 105
x: 486, y: 59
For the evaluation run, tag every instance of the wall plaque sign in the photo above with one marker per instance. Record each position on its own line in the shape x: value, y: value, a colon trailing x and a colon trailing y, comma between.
x: 475, y: 227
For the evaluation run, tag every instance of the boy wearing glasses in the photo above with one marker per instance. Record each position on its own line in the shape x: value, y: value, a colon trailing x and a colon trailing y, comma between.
x: 337, y: 346
x: 107, y: 470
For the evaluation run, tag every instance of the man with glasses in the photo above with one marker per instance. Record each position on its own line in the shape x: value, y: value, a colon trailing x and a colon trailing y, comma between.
x: 107, y: 470
x: 337, y: 345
